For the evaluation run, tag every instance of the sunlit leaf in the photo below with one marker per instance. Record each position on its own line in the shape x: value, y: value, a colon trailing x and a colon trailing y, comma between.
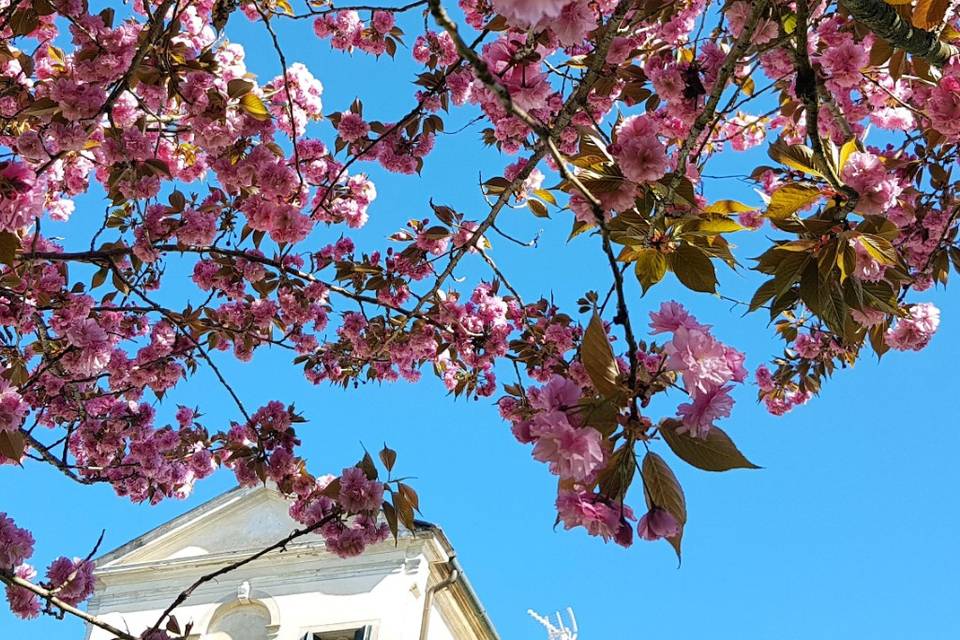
x: 253, y: 106
x: 791, y: 198
x: 650, y: 267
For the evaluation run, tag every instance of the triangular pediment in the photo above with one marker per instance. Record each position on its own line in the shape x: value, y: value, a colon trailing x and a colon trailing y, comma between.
x: 239, y: 520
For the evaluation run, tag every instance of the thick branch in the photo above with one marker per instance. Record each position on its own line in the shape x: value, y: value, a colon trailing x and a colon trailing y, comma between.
x: 16, y: 581
x: 883, y: 19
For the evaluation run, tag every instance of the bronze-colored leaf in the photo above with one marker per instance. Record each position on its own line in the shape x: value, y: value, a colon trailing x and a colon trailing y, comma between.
x: 661, y: 489
x: 410, y: 495
x: 9, y: 245
x: 24, y: 21
x: 238, y: 87
x: 366, y: 465
x: 928, y: 14
x: 716, y: 452
x: 597, y: 357
x: 538, y: 208
x: 388, y: 457
x: 12, y: 445
x: 796, y: 156
x: 765, y: 292
x: 390, y: 514
x: 693, y: 268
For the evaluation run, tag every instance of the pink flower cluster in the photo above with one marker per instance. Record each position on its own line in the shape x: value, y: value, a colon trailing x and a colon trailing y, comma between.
x: 13, y: 409
x: 706, y: 365
x: 348, y: 532
x: 642, y: 157
x: 347, y: 31
x: 70, y: 580
x: 914, y: 331
x: 779, y: 398
x: 878, y: 189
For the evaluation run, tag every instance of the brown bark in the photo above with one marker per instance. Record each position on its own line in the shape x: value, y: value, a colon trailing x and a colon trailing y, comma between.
x: 883, y: 20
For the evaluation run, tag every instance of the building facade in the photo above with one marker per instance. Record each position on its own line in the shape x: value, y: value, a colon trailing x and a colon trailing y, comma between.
x: 410, y: 590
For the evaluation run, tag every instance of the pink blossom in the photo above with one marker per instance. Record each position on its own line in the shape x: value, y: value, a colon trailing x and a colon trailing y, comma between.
x: 657, y: 523
x: 16, y: 544
x: 574, y: 453
x: 576, y: 19
x: 843, y: 62
x: 671, y: 316
x: 866, y: 173
x: 527, y: 12
x: 943, y: 105
x: 914, y: 332
x: 707, y: 407
x: 73, y: 579
x: 357, y: 493
x: 383, y: 21
x: 23, y: 602
x: 13, y: 409
x: 558, y: 394
x: 590, y: 511
x: 702, y: 360
x: 641, y: 155
x: 352, y: 126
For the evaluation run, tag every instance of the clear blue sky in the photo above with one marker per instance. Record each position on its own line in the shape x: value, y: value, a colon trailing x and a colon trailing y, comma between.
x: 847, y: 532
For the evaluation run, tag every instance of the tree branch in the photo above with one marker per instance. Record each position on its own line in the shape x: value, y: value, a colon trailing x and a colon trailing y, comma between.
x: 883, y: 19
x: 16, y: 581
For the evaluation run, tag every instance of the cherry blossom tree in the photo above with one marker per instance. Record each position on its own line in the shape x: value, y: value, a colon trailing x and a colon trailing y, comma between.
x: 607, y: 115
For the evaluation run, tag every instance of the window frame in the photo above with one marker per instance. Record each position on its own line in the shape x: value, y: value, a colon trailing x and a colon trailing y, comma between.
x: 370, y: 629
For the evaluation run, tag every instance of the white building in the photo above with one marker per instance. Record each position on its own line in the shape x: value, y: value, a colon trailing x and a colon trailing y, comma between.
x: 413, y: 590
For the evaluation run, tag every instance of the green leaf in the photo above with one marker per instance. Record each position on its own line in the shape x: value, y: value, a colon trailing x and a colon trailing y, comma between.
x: 693, y: 268
x: 766, y: 291
x: 716, y: 452
x: 597, y: 357
x: 791, y: 198
x: 789, y: 270
x: 651, y: 265
x: 661, y: 489
x: 9, y: 245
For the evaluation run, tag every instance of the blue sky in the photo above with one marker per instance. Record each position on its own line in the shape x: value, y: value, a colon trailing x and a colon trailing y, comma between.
x: 847, y: 531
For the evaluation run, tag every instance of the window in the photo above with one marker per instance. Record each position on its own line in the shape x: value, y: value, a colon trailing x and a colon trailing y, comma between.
x: 363, y: 633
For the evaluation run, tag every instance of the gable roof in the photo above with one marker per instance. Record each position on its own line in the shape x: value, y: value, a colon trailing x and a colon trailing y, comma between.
x: 261, y: 516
